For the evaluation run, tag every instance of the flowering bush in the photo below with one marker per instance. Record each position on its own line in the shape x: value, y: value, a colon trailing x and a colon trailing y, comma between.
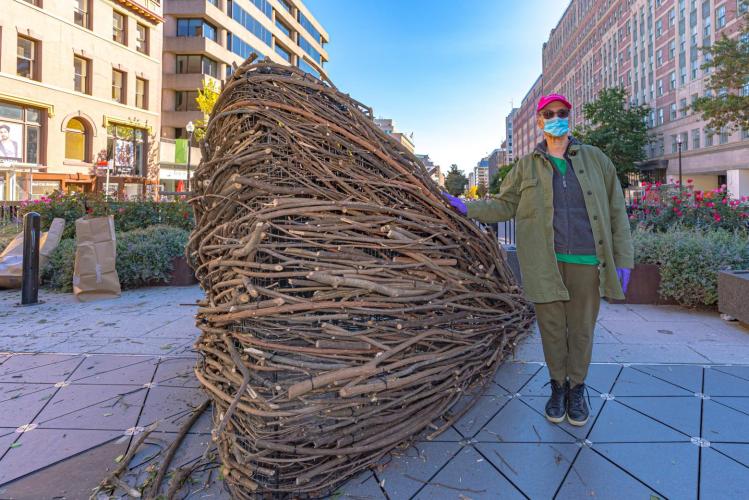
x: 662, y: 207
x: 128, y: 215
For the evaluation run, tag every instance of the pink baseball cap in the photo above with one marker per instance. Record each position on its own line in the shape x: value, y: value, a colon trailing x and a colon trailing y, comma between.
x: 548, y: 99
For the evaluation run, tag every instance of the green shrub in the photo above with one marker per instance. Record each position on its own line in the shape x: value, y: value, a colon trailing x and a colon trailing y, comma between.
x: 144, y: 256
x: 128, y: 215
x: 690, y: 260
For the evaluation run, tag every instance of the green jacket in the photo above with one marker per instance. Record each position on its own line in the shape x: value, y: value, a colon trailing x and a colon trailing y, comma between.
x: 526, y: 194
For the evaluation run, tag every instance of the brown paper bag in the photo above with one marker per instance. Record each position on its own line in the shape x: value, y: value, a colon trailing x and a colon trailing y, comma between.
x: 11, y: 260
x: 95, y: 275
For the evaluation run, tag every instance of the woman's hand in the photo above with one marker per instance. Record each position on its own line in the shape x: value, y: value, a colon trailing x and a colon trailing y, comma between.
x: 456, y: 203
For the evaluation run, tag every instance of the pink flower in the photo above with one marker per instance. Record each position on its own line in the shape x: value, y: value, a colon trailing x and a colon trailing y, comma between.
x: 690, y: 181
x: 725, y: 201
x: 716, y: 216
x: 710, y: 204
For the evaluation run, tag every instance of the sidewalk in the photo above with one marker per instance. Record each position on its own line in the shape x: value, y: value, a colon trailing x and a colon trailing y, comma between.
x: 669, y: 390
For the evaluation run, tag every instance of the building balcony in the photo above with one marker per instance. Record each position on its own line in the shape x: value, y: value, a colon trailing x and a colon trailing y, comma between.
x: 178, y: 119
x: 190, y: 81
x: 196, y: 45
x: 193, y: 8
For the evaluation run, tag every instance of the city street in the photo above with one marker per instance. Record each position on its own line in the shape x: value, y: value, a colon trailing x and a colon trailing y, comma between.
x: 669, y: 390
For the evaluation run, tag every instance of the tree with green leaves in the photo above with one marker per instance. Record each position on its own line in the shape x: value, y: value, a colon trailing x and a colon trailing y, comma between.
x: 481, y: 191
x: 455, y: 181
x: 617, y: 128
x: 495, y: 184
x: 727, y: 60
x: 206, y: 100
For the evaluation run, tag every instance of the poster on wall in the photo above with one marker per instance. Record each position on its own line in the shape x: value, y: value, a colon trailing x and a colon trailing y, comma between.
x: 123, y: 157
x: 11, y: 141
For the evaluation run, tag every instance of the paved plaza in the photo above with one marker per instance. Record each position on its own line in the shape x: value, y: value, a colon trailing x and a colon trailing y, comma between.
x: 669, y: 390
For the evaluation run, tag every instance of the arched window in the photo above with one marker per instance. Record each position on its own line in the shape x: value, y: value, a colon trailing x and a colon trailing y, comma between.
x: 77, y: 139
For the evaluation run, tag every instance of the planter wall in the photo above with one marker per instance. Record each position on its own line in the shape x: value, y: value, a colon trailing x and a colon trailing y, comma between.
x: 182, y: 274
x: 733, y: 294
x: 643, y: 287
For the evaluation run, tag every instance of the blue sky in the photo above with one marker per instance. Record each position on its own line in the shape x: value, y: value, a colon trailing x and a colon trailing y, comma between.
x: 444, y: 70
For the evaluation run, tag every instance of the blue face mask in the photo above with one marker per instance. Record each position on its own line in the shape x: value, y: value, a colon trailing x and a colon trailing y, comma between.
x: 556, y: 126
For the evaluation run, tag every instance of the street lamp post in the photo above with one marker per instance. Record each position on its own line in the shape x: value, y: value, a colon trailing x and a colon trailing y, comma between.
x: 678, y: 143
x: 190, y: 127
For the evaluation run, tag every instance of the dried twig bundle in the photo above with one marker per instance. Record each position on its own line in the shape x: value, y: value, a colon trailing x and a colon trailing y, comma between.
x: 348, y: 307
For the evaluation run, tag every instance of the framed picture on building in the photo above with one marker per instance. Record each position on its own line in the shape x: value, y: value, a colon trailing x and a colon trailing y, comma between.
x: 11, y: 141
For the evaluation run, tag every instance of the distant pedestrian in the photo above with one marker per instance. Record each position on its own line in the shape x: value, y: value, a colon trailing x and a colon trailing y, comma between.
x: 574, y: 246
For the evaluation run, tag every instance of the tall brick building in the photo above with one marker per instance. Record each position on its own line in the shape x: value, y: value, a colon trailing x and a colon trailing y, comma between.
x: 652, y: 49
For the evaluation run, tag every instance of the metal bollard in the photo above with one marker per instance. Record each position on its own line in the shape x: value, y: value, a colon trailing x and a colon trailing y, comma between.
x: 31, y: 235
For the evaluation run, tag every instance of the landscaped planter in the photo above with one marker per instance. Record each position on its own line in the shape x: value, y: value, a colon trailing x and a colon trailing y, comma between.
x: 182, y: 274
x: 733, y: 294
x: 643, y: 287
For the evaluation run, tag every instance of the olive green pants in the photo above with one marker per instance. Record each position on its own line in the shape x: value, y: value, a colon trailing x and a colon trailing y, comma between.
x: 567, y: 326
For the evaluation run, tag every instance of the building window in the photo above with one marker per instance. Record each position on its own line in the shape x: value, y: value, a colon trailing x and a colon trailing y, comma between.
x: 196, y: 28
x: 683, y: 107
x: 81, y: 13
x: 660, y: 116
x: 671, y: 18
x: 127, y: 147
x: 672, y: 81
x: 20, y: 133
x: 720, y: 16
x: 660, y: 87
x: 658, y: 28
x: 723, y: 136
x: 683, y: 75
x: 35, y: 3
x: 283, y: 53
x: 695, y: 69
x: 696, y: 138
x: 684, y: 141
x: 119, y: 28
x: 141, y: 39
x: 81, y: 72
x: 283, y: 27
x: 659, y: 58
x: 186, y: 100
x: 119, y: 84
x: 708, y: 137
x: 141, y: 93
x: 707, y: 28
x: 672, y: 114
x: 196, y: 64
x: 77, y: 140
x: 743, y: 6
x: 672, y: 50
x: 674, y: 144
x: 27, y: 60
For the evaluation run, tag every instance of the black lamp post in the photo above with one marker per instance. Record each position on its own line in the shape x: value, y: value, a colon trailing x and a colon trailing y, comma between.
x: 190, y: 127
x: 678, y: 143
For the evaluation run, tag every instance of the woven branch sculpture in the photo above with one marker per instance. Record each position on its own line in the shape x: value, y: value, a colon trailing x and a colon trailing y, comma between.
x: 348, y: 307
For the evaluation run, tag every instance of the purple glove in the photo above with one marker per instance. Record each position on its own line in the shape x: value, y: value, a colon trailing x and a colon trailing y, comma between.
x: 456, y: 203
x: 624, y: 275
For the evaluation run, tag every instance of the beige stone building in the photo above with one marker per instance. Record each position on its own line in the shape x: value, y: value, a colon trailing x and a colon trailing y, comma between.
x: 80, y: 84
x: 204, y: 38
x: 388, y: 126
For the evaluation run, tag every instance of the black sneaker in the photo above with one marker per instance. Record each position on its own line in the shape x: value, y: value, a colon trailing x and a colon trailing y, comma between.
x: 555, y: 406
x: 577, y: 408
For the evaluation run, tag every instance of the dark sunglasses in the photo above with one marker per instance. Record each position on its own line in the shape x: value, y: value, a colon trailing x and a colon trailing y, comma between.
x: 548, y: 114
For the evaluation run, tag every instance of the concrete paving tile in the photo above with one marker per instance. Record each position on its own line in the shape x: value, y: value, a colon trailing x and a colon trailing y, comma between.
x: 660, y: 332
x: 720, y: 353
x: 43, y: 447
x: 517, y: 422
x: 407, y: 473
x: 449, y: 434
x: 72, y: 478
x: 538, y: 403
x: 181, y: 327
x: 471, y: 475
x: 725, y: 422
x: 721, y: 382
x: 101, y: 407
x: 364, y: 485
x: 633, y: 382
x: 600, y: 378
x: 618, y: 312
x: 481, y: 413
x: 141, y: 345
x: 722, y: 477
x: 7, y: 437
x: 177, y: 372
x: 687, y: 376
x: 513, y: 376
x: 739, y: 452
x: 741, y: 372
x: 521, y: 462
x: 20, y: 403
x: 674, y: 314
x: 592, y: 476
x: 669, y: 468
x: 618, y: 423
x: 682, y: 413
x: 113, y: 369
x: 39, y: 368
x: 646, y: 353
x: 172, y: 406
x: 528, y: 352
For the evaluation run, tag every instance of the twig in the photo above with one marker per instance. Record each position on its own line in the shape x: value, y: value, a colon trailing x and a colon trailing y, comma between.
x: 442, y: 485
x: 174, y: 447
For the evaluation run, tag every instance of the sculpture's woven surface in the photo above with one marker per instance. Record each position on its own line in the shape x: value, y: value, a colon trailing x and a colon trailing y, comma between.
x: 348, y: 307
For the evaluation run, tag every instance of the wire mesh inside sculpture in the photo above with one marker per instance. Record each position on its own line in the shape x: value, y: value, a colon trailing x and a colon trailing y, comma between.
x: 348, y: 308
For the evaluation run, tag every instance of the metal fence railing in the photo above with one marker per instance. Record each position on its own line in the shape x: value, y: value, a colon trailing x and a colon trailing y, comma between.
x: 505, y: 232
x: 9, y: 211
